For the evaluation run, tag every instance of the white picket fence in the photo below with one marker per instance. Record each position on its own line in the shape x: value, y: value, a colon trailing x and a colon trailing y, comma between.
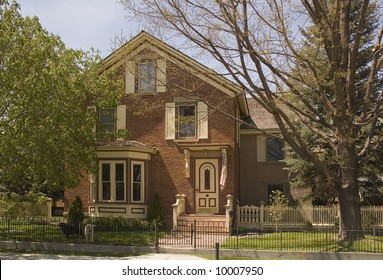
x: 297, y: 217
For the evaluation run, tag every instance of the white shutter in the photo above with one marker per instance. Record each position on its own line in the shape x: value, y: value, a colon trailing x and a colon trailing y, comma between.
x: 170, y: 121
x: 161, y: 75
x: 261, y: 148
x: 130, y: 81
x: 202, y: 117
x: 121, y: 118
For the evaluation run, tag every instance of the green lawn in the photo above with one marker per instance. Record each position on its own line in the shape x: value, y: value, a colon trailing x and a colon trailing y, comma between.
x: 303, y: 241
x: 52, y: 233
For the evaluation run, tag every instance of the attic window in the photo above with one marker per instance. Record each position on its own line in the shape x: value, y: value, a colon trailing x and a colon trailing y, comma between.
x: 146, y: 81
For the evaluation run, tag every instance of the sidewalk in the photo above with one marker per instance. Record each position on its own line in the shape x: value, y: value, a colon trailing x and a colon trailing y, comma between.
x: 32, y: 256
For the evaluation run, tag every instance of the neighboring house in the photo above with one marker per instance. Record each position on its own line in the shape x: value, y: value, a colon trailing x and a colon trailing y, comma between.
x: 262, y: 169
x: 181, y: 138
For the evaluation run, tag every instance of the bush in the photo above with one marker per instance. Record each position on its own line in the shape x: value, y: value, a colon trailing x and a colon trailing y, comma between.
x: 76, y: 211
x: 155, y: 211
x: 368, y: 221
x: 30, y: 205
x: 120, y: 224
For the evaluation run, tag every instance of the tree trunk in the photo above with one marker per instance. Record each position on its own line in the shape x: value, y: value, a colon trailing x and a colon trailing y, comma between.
x: 349, y: 205
x: 348, y: 195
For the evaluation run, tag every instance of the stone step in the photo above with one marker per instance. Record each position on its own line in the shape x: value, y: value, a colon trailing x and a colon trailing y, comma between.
x: 202, y: 217
x: 204, y: 223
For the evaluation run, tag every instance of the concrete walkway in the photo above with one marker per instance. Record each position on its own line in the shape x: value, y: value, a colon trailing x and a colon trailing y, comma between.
x: 151, y: 256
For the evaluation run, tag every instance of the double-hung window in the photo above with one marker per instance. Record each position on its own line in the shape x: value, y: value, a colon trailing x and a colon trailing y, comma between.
x: 275, y: 149
x: 146, y: 82
x: 186, y: 121
x: 145, y: 75
x: 107, y: 123
x: 137, y: 181
x: 112, y: 181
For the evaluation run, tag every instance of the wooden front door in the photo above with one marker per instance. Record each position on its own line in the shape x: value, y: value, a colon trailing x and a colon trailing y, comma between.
x: 206, y: 186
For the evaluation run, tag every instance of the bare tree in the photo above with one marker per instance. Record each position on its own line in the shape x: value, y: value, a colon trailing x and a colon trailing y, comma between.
x: 259, y: 44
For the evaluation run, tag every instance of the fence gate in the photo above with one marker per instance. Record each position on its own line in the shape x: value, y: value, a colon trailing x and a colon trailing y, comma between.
x: 197, y: 234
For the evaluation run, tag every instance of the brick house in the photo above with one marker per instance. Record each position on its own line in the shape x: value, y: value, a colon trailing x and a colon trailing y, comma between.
x: 182, y: 139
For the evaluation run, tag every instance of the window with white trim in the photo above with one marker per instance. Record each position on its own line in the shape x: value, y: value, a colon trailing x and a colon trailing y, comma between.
x: 146, y: 80
x: 112, y: 181
x: 275, y: 149
x: 186, y: 121
x: 137, y: 181
x: 145, y: 75
x: 107, y: 123
x: 111, y: 122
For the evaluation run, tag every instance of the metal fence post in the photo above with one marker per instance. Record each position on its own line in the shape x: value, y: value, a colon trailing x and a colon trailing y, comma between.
x: 280, y: 243
x: 43, y: 230
x: 8, y: 229
x: 217, y: 251
x: 191, y: 234
x: 156, y: 237
x: 374, y: 237
x: 195, y: 234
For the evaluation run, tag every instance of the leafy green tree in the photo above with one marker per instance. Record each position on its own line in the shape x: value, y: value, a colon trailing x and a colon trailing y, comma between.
x: 278, y: 204
x: 47, y: 135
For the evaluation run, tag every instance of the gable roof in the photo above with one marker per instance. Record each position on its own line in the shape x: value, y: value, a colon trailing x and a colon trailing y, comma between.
x: 259, y: 117
x: 144, y: 40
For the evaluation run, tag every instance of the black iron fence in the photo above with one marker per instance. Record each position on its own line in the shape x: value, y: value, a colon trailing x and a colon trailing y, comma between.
x: 56, y: 231
x: 195, y: 235
x: 315, y: 240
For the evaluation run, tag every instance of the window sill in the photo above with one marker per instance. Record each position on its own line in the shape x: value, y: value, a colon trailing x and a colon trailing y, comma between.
x: 188, y: 140
x: 275, y: 162
x: 146, y: 93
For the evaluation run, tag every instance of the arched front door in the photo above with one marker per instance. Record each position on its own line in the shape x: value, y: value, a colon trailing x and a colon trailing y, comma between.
x: 206, y: 186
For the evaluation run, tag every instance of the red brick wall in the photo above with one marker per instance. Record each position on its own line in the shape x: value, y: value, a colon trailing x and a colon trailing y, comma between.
x: 82, y: 190
x: 168, y: 166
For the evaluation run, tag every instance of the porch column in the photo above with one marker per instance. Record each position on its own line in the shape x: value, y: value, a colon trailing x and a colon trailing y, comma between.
x: 187, y: 163
x: 92, y: 188
x: 229, y: 211
x: 178, y: 209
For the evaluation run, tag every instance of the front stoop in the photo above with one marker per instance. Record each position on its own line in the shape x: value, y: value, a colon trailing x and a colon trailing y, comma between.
x: 202, y: 223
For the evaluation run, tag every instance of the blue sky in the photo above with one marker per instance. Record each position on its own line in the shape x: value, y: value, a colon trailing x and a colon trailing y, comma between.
x: 82, y: 24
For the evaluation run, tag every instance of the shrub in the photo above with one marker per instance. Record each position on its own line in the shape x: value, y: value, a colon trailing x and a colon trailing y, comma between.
x: 368, y: 221
x: 30, y: 205
x: 155, y: 211
x: 76, y: 211
x: 120, y: 224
